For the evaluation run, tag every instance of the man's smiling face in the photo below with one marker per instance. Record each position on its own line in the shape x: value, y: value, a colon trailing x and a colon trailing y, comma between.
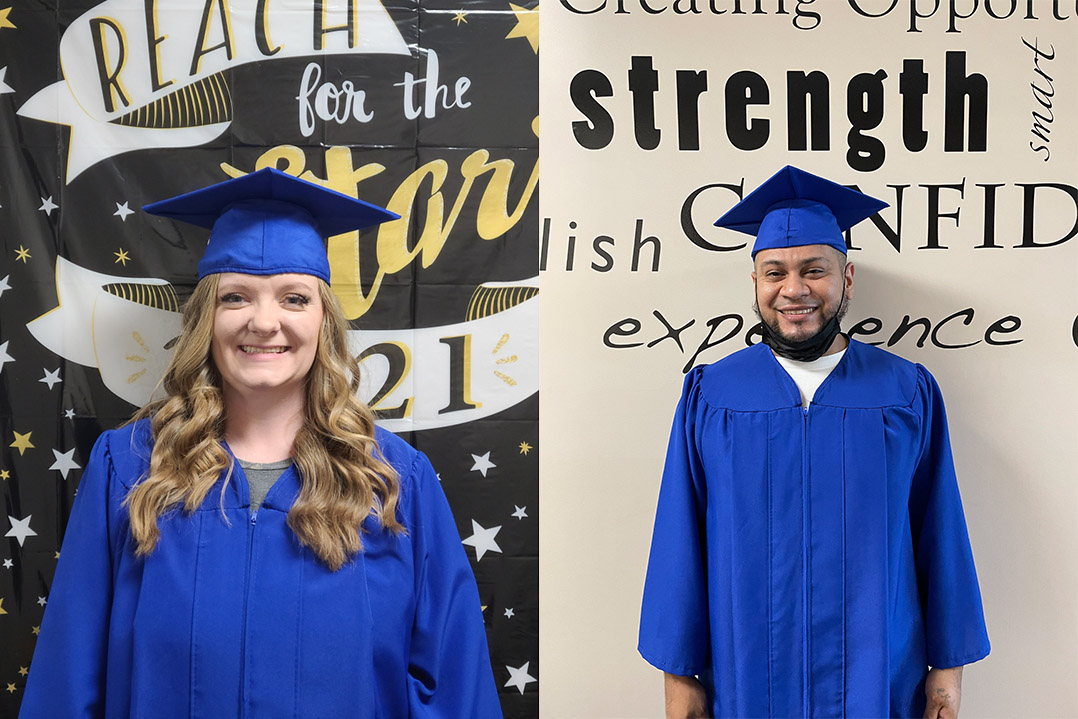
x: 799, y: 289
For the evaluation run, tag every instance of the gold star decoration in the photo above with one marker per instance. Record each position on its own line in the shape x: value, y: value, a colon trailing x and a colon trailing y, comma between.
x: 2, y: 610
x: 57, y: 555
x: 22, y: 442
x: 4, y: 22
x: 5, y: 474
x: 23, y: 671
x: 459, y: 17
x: 22, y: 254
x: 36, y: 629
x: 525, y: 448
x: 10, y: 688
x: 122, y: 257
x: 527, y: 25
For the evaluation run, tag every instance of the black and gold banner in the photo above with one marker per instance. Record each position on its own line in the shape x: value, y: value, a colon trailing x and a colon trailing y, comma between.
x: 428, y: 108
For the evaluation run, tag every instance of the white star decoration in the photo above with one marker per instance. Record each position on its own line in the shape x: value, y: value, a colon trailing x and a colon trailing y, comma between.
x: 4, y: 356
x: 41, y: 601
x: 520, y: 513
x: 50, y: 378
x: 519, y: 677
x: 482, y: 540
x: 509, y: 612
x: 482, y: 463
x: 65, y: 461
x: 7, y: 564
x: 69, y: 413
x: 47, y: 205
x: 4, y: 286
x: 122, y: 211
x: 4, y: 87
x: 20, y: 528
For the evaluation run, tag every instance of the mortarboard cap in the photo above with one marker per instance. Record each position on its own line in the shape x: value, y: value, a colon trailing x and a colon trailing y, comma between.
x: 269, y: 222
x: 795, y: 208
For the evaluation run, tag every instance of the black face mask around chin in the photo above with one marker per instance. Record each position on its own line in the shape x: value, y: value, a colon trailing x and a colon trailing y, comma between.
x: 808, y: 349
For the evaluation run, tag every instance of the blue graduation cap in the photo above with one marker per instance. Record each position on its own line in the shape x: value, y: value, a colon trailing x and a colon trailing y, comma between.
x: 269, y: 222
x: 795, y: 208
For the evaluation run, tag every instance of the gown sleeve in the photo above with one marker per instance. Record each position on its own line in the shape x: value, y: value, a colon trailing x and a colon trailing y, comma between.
x: 68, y: 671
x: 449, y: 673
x: 950, y: 597
x: 674, y: 633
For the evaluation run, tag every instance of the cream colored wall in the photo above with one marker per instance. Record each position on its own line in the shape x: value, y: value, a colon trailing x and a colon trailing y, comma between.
x: 605, y: 413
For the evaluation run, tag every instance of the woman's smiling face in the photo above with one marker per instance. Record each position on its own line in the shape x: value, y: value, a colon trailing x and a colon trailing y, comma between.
x: 265, y: 331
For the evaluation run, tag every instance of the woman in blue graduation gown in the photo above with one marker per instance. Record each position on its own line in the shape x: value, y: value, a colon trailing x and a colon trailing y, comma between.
x: 346, y: 593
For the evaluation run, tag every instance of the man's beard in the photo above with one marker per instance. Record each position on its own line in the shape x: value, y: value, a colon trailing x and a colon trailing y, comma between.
x: 812, y: 347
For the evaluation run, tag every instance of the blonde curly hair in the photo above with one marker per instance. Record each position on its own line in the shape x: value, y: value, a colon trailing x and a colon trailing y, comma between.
x: 344, y: 478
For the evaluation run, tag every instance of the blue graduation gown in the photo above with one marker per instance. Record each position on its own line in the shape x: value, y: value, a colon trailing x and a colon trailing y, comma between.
x: 811, y: 562
x: 232, y: 617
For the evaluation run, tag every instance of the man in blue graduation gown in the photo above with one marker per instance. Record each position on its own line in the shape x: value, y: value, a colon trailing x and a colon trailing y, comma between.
x: 810, y: 554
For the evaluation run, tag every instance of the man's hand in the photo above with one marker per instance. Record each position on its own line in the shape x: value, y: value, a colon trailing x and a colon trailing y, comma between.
x: 685, y: 698
x: 944, y: 690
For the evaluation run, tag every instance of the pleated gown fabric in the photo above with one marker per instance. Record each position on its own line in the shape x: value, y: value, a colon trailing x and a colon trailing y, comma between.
x: 811, y: 563
x: 232, y: 617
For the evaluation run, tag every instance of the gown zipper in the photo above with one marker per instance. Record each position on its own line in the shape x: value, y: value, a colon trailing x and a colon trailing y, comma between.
x: 246, y: 596
x: 806, y: 537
